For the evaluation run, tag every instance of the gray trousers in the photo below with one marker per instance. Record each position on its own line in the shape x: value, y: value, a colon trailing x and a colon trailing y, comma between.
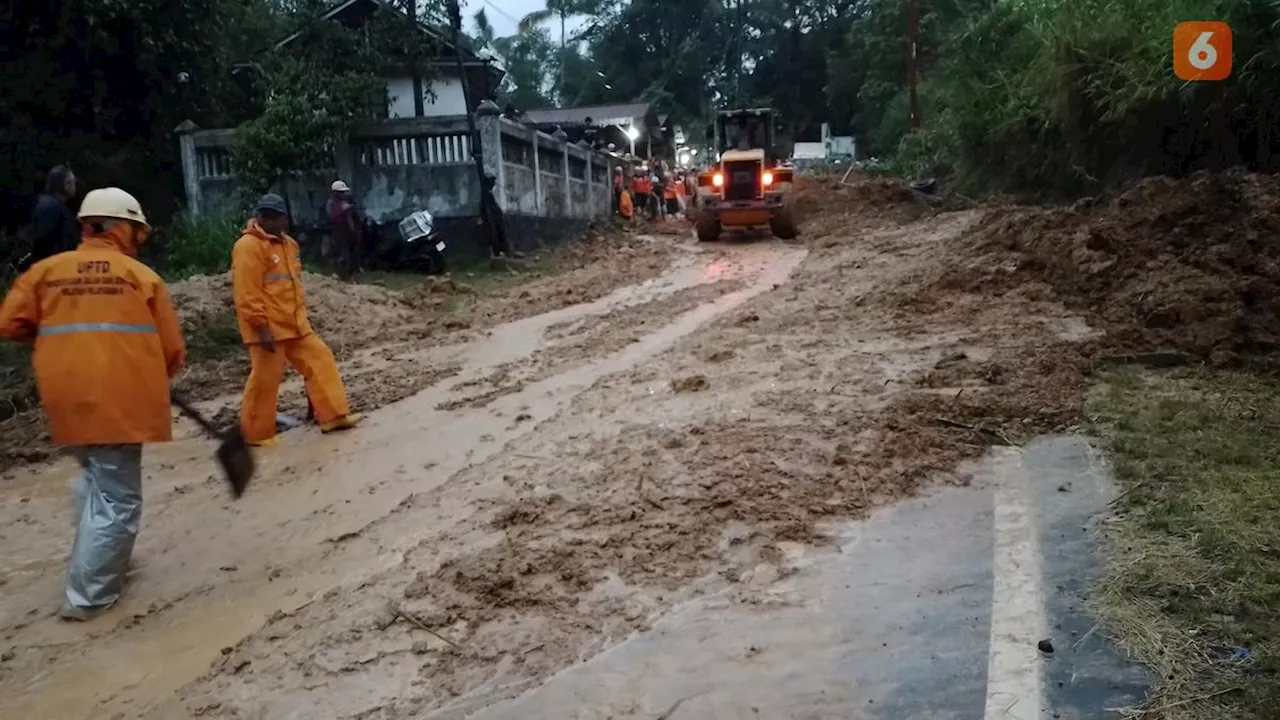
x: 108, y: 496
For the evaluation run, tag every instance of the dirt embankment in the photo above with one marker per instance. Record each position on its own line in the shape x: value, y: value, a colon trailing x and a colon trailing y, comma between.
x: 1184, y: 265
x: 998, y: 316
x: 372, y: 329
x: 1190, y: 265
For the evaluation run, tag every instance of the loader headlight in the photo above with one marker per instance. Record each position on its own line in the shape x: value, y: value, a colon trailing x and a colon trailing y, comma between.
x: 766, y: 179
x: 718, y: 179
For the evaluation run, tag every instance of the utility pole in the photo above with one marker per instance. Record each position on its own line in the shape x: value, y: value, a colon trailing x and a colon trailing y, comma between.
x: 913, y: 45
x: 737, y: 71
x: 455, y: 25
x: 564, y: 54
x: 419, y: 103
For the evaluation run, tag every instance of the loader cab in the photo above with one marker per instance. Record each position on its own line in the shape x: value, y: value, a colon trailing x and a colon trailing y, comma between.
x: 744, y: 130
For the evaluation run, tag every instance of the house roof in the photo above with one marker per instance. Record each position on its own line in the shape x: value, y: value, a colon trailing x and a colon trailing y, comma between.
x: 359, y: 9
x: 599, y: 114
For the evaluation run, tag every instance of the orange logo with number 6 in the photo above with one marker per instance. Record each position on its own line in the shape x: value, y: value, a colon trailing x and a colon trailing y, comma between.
x: 1202, y: 51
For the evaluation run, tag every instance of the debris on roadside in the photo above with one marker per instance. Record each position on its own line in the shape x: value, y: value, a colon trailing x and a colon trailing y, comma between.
x: 692, y: 383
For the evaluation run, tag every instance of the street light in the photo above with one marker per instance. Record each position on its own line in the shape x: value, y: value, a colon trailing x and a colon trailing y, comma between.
x: 632, y: 134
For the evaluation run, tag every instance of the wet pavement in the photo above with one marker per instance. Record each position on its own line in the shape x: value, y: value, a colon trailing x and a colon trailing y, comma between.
x: 895, y: 623
x: 539, y: 535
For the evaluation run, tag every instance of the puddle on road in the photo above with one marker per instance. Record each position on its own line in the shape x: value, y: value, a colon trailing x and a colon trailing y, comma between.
x: 214, y: 571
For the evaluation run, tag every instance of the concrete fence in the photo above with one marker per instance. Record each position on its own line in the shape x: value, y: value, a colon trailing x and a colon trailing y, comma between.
x: 397, y: 167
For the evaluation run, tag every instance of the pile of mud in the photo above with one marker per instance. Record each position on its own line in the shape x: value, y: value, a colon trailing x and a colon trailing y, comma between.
x: 600, y: 262
x: 668, y: 226
x: 333, y: 307
x: 834, y: 206
x: 1190, y: 265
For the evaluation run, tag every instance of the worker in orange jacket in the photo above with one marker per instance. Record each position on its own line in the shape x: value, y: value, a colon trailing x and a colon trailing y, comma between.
x: 625, y: 207
x: 106, y: 341
x: 266, y: 275
x: 643, y: 188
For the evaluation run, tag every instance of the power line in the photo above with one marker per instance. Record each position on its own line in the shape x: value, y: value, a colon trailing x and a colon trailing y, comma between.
x: 503, y: 13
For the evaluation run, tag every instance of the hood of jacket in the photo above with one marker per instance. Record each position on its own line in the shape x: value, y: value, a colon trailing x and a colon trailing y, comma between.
x: 123, y: 237
x: 254, y: 228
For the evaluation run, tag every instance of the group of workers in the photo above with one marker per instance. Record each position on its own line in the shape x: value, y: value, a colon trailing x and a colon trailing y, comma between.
x: 107, y: 341
x: 654, y: 190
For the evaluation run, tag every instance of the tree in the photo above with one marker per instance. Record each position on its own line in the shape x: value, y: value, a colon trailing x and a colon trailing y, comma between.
x: 328, y: 79
x: 562, y: 9
x: 485, y: 34
x: 524, y: 58
x: 525, y: 53
x: 676, y: 60
x: 103, y: 83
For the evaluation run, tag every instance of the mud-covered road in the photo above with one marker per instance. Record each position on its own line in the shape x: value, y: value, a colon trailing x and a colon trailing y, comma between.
x: 556, y: 486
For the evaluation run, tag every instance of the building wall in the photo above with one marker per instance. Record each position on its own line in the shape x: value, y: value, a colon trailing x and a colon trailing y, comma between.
x: 449, y: 99
x: 809, y: 151
x: 398, y: 167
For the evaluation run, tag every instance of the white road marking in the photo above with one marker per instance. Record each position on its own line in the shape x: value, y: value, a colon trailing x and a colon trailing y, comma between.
x: 1015, y: 672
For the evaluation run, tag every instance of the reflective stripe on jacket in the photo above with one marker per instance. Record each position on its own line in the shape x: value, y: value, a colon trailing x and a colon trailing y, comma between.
x: 266, y: 275
x: 106, y: 341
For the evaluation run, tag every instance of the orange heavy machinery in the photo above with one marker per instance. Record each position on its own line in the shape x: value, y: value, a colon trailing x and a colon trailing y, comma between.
x: 745, y: 187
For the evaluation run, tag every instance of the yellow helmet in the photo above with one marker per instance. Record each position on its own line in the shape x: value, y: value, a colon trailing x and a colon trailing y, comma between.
x: 112, y: 203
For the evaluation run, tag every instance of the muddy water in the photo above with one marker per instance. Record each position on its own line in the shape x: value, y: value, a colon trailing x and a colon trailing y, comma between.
x: 820, y: 641
x: 210, y: 572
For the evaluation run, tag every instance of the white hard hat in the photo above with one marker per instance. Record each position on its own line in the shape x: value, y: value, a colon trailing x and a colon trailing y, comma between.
x: 339, y: 186
x: 112, y: 203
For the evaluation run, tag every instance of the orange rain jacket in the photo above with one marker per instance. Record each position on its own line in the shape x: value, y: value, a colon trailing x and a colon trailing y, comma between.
x: 625, y: 207
x: 106, y: 341
x: 266, y: 275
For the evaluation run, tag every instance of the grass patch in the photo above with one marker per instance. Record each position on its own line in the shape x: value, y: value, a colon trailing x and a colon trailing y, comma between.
x: 488, y: 277
x: 1192, y: 585
x: 391, y: 279
x: 194, y: 245
x: 17, y: 382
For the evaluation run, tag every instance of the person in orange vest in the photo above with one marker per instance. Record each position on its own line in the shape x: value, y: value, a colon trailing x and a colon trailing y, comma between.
x: 271, y: 309
x: 679, y: 185
x: 106, y: 342
x: 625, y: 207
x: 643, y: 189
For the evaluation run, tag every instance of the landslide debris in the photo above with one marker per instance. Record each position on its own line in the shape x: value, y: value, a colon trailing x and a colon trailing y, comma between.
x: 1190, y: 264
x: 355, y: 317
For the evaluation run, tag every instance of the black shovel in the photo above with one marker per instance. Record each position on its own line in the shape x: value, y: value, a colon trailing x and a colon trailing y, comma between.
x: 233, y: 452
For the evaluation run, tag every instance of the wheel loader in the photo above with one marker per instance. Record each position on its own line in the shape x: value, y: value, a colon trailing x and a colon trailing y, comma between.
x: 745, y: 187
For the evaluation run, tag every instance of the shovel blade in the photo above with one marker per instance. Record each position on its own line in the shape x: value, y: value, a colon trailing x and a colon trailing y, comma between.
x: 236, y: 460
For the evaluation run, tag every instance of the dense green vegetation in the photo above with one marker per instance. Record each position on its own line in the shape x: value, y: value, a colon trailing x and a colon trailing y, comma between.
x: 193, y: 246
x: 1047, y: 97
x: 1063, y: 98
x: 1043, y: 96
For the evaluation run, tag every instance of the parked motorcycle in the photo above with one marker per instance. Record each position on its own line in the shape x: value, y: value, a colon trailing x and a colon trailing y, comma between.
x: 424, y: 247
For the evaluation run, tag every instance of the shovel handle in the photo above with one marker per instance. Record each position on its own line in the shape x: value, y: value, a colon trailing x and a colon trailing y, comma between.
x: 192, y: 413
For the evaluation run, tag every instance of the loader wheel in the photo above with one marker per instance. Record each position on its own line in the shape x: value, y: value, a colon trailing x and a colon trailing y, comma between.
x: 783, y: 225
x: 708, y: 227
